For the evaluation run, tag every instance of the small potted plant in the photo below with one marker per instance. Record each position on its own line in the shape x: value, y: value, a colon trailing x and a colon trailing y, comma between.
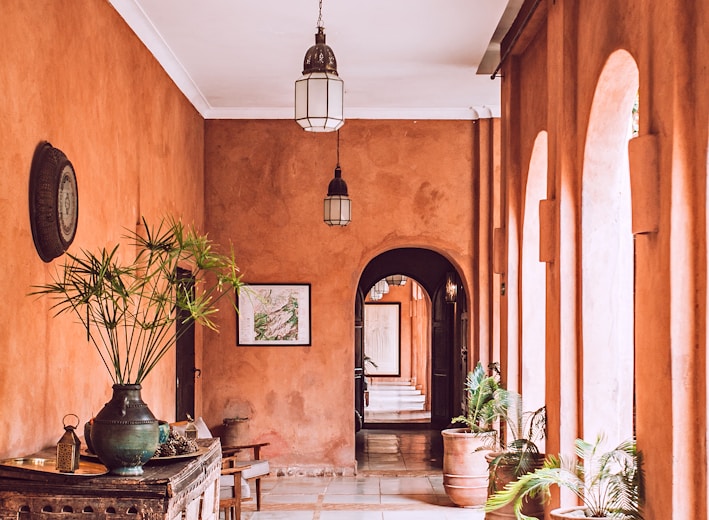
x: 465, y: 469
x: 134, y: 307
x: 609, y: 484
x: 519, y: 455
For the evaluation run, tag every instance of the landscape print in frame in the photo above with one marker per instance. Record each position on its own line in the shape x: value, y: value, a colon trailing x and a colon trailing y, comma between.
x: 273, y: 315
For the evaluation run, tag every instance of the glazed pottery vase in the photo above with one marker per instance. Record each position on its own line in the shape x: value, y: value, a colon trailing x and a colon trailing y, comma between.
x: 125, y: 433
x: 465, y: 470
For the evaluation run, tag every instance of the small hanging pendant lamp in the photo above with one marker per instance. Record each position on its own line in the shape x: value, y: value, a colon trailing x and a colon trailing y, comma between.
x: 337, y: 204
x: 319, y: 93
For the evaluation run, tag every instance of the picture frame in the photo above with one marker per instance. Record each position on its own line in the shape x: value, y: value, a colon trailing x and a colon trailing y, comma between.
x: 273, y: 315
x: 382, y: 338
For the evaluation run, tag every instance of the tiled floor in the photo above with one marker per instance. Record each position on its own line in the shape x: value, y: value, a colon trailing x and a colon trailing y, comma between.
x: 399, y: 478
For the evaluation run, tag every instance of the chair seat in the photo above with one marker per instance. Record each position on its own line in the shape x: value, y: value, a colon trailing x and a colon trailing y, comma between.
x: 259, y: 468
x: 226, y: 487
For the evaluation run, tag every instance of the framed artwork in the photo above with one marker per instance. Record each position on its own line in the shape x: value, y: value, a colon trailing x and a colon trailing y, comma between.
x: 273, y: 315
x: 382, y: 338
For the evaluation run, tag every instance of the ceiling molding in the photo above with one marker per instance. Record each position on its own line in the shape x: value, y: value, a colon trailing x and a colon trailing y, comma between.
x: 469, y: 114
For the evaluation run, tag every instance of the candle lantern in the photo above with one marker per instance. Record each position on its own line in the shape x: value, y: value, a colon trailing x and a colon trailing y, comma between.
x: 68, y: 447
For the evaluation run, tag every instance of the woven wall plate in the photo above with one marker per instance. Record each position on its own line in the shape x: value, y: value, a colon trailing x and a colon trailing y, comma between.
x: 54, y: 201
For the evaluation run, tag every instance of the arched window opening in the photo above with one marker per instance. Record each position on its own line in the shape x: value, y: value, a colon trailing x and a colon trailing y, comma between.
x: 533, y: 355
x: 608, y: 255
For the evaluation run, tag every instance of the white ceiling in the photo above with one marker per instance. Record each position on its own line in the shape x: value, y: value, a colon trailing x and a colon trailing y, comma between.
x: 399, y: 59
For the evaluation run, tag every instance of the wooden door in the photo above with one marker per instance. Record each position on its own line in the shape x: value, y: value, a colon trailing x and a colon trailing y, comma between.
x: 186, y: 371
x: 442, y: 355
x: 360, y: 383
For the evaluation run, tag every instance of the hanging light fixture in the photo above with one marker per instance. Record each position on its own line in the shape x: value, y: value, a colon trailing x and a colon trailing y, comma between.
x: 382, y: 286
x: 319, y: 93
x: 396, y: 279
x: 337, y: 205
x: 374, y: 295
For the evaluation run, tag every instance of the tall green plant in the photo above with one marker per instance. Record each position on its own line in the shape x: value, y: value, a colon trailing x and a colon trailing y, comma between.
x: 486, y: 400
x: 129, y: 309
x: 609, y: 484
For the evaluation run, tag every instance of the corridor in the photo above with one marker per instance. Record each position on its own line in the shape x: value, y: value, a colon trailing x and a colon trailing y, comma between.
x: 399, y: 478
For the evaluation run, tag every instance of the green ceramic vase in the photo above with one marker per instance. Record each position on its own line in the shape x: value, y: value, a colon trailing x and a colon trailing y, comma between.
x: 125, y: 433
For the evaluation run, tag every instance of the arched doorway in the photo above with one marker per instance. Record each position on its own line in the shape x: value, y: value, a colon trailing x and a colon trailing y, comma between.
x: 533, y: 273
x: 608, y: 255
x: 446, y: 360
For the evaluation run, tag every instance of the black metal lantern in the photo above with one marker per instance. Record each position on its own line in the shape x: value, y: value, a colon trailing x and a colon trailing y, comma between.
x: 337, y: 206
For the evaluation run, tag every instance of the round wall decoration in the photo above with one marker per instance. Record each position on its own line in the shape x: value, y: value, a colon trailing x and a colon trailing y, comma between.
x: 54, y: 201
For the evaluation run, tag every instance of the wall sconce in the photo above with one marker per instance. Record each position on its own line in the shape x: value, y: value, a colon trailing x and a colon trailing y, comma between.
x: 451, y: 288
x: 319, y: 93
x: 337, y: 206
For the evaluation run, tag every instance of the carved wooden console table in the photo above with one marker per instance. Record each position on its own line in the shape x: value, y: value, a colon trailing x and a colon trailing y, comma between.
x: 186, y: 488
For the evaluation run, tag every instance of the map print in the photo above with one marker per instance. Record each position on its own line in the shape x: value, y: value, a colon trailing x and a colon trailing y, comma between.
x: 276, y: 315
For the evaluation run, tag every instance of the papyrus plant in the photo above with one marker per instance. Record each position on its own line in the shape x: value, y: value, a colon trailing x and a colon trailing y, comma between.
x: 131, y: 309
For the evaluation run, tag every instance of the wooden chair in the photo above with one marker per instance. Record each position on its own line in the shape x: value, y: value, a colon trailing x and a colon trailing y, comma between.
x: 247, y: 458
x: 230, y: 488
x: 241, y: 463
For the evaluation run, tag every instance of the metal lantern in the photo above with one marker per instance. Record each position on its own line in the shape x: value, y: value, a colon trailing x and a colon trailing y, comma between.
x: 337, y: 204
x: 319, y: 93
x: 68, y: 447
x: 396, y: 279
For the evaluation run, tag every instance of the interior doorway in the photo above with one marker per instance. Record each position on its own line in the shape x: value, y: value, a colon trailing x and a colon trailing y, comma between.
x: 397, y: 352
x: 425, y: 368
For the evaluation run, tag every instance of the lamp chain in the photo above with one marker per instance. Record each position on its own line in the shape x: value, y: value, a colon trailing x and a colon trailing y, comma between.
x: 338, y: 148
x: 320, y: 15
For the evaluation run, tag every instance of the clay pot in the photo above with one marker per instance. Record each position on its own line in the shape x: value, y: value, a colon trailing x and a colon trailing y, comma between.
x: 125, y: 433
x: 465, y: 470
x: 501, y: 475
x: 565, y: 513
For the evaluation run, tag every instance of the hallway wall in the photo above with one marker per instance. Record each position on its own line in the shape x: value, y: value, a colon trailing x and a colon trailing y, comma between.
x: 74, y: 74
x: 412, y: 185
x: 549, y: 84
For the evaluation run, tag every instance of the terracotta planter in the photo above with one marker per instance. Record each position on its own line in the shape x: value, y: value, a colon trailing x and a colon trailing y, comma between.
x: 503, y: 474
x: 465, y: 470
x: 564, y: 513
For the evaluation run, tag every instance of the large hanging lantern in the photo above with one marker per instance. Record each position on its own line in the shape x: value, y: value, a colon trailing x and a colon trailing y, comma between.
x: 319, y: 93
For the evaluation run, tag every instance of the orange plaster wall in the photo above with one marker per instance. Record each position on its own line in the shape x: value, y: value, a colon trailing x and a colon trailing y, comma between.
x: 73, y: 73
x: 411, y: 185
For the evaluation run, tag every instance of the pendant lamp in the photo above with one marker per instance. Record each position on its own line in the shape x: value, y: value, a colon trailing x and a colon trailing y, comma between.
x: 319, y: 93
x: 337, y: 209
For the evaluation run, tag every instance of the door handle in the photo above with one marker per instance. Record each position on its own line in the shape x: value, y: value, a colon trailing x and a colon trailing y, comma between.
x: 197, y: 372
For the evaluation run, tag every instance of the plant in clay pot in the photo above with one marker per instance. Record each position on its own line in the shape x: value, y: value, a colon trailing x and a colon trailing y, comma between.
x: 134, y: 307
x: 519, y: 456
x: 465, y: 469
x: 609, y: 484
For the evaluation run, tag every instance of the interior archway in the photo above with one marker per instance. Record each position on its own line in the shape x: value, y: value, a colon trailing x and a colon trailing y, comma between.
x: 607, y: 255
x: 446, y: 344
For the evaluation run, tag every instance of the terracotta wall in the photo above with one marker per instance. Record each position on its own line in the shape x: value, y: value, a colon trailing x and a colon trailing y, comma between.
x: 549, y: 83
x: 411, y: 183
x: 72, y: 73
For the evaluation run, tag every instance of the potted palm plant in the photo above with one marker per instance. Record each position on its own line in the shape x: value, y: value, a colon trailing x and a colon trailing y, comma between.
x: 134, y: 307
x: 609, y: 484
x: 465, y: 469
x: 518, y: 455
